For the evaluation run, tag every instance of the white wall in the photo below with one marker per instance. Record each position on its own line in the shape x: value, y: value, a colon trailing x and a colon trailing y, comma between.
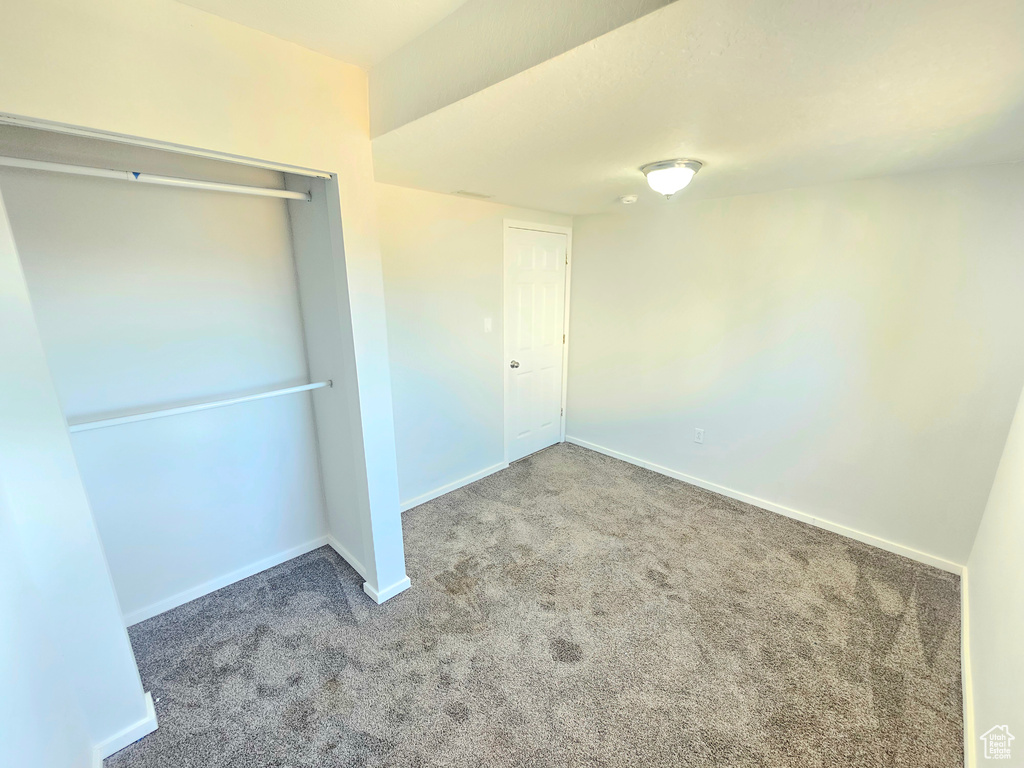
x: 55, y: 560
x: 443, y: 267
x: 996, y: 600
x: 852, y: 351
x: 151, y: 297
x: 38, y: 713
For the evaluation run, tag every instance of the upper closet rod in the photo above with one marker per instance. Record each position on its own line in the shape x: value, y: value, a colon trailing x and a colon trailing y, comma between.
x: 84, y: 426
x: 150, y: 178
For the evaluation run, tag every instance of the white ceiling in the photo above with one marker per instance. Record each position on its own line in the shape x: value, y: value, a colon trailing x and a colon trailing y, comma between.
x: 483, y: 43
x: 768, y: 94
x: 360, y: 32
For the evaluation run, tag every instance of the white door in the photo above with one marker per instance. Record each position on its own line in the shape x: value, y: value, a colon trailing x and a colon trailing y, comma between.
x: 534, y: 314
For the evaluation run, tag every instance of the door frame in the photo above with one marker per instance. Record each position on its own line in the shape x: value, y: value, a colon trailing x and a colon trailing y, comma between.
x: 555, y: 229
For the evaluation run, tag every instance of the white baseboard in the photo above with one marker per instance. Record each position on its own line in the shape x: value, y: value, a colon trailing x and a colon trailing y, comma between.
x: 128, y: 736
x: 347, y: 556
x: 431, y: 495
x: 213, y: 585
x: 851, y: 533
x: 970, y: 758
x: 379, y: 596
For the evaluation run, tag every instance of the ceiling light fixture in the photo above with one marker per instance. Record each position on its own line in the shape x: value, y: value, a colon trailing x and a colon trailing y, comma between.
x: 670, y: 176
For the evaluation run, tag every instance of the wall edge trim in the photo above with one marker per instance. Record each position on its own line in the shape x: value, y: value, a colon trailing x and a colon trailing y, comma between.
x: 127, y: 736
x: 379, y: 596
x: 219, y: 582
x: 818, y: 522
x: 966, y: 681
x: 347, y: 556
x: 452, y: 486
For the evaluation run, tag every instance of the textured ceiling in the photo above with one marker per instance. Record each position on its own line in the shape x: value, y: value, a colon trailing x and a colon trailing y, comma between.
x: 360, y: 32
x: 768, y: 94
x: 483, y: 43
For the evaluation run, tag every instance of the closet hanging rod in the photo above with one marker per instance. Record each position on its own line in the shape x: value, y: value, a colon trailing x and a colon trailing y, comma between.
x: 84, y: 426
x: 150, y: 178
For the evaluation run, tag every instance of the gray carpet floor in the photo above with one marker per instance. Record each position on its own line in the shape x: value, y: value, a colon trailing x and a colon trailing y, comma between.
x: 572, y: 610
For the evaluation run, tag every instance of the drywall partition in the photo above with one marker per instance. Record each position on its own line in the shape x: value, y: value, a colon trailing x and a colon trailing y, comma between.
x: 443, y: 266
x: 364, y: 289
x: 153, y: 297
x: 354, y: 420
x: 48, y: 520
x: 995, y: 604
x: 331, y: 356
x: 851, y: 351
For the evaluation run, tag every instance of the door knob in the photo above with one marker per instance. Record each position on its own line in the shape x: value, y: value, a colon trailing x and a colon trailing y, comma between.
x: 514, y: 364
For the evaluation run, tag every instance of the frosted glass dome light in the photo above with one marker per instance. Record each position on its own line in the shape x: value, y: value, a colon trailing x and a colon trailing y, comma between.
x: 670, y: 176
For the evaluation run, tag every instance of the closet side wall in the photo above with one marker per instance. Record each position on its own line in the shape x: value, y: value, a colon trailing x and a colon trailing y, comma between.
x: 342, y: 300
x: 47, y: 522
x: 151, y: 297
x: 36, y: 694
x: 331, y: 356
x: 995, y: 603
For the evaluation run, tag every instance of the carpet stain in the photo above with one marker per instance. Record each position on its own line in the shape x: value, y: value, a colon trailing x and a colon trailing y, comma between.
x: 571, y: 610
x: 566, y: 651
x: 458, y: 580
x: 657, y: 578
x: 457, y: 711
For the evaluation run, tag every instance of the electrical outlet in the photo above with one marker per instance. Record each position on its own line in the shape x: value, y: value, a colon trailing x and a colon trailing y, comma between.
x: 698, y: 435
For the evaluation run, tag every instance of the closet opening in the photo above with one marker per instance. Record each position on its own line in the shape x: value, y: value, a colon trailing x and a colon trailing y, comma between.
x: 201, y: 337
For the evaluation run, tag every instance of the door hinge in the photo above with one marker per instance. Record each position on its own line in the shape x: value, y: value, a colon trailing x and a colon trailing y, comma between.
x: 561, y: 411
x: 563, y: 338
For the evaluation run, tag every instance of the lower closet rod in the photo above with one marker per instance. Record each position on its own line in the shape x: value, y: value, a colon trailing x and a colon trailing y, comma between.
x: 150, y: 178
x: 87, y: 425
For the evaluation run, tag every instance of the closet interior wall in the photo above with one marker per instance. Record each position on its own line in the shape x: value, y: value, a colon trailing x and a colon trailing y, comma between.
x: 152, y: 297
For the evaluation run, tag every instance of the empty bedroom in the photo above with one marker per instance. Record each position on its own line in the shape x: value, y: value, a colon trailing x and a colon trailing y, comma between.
x: 393, y: 383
